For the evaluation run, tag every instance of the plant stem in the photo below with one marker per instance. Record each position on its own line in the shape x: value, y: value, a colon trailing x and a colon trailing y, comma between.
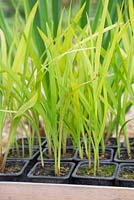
x: 57, y: 171
x: 118, y: 142
x: 64, y: 140
x: 96, y: 160
x: 89, y: 155
x: 103, y: 146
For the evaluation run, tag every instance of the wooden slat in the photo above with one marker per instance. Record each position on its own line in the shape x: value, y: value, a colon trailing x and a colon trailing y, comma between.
x: 29, y: 191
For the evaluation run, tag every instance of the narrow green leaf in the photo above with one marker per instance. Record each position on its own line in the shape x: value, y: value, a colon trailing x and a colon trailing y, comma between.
x: 26, y: 106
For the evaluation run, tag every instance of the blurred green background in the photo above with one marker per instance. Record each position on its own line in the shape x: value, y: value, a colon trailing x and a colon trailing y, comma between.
x: 9, y: 7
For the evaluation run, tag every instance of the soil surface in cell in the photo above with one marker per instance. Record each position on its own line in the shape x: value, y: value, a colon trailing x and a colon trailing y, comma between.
x: 124, y: 155
x: 13, y: 167
x: 20, y: 153
x: 102, y: 156
x: 127, y: 173
x: 103, y: 171
x: 111, y: 142
x: 69, y: 154
x: 48, y: 170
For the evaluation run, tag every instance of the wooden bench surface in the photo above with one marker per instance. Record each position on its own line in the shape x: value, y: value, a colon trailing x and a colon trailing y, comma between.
x: 33, y: 191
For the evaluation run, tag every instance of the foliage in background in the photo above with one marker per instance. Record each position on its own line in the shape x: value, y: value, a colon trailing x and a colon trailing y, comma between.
x: 68, y: 76
x: 13, y: 96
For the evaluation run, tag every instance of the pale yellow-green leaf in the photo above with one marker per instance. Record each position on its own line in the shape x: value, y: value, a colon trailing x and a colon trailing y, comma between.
x: 21, y: 50
x: 131, y: 13
x: 44, y: 38
x: 27, y: 105
x: 79, y: 14
x: 100, y: 36
x: 3, y: 48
